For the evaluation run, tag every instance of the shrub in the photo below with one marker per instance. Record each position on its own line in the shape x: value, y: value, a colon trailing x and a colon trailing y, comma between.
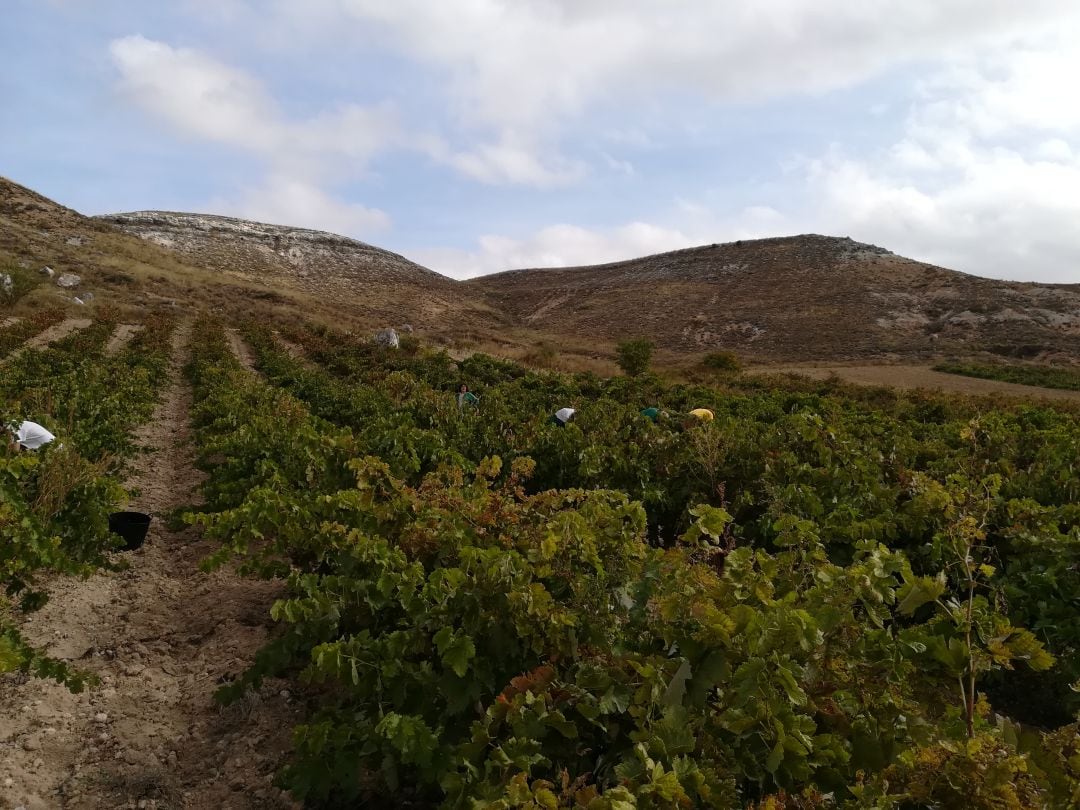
x: 634, y: 356
x: 721, y: 361
x: 14, y: 284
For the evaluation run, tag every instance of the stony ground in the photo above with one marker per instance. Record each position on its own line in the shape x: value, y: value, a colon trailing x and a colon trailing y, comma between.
x: 161, y: 636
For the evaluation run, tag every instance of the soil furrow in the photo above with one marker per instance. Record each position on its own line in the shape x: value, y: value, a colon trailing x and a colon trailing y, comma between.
x: 161, y: 636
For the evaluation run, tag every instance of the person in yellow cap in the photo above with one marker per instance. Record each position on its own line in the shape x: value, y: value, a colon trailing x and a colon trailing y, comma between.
x: 702, y: 414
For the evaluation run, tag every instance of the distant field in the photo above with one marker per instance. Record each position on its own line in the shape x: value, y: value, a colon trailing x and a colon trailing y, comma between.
x: 920, y: 377
x: 1043, y: 376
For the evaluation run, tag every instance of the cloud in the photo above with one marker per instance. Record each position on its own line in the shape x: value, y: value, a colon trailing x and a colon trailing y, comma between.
x: 565, y: 245
x: 553, y: 246
x: 982, y: 175
x: 204, y: 98
x: 985, y: 177
x: 522, y: 64
x: 208, y: 99
x: 286, y: 200
x: 509, y: 162
x: 196, y: 94
x: 515, y: 75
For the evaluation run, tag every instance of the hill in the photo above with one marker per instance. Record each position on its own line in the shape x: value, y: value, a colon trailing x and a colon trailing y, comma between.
x: 318, y: 261
x: 794, y: 298
x: 152, y: 260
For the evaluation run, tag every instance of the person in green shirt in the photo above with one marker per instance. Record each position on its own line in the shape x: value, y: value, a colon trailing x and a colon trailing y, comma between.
x: 466, y: 397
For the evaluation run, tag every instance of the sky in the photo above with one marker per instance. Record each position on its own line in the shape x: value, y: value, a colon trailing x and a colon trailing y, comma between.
x: 475, y: 136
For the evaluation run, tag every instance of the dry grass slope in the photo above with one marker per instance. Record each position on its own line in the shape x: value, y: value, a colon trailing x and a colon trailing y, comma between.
x: 229, y: 276
x: 795, y: 298
x: 389, y: 288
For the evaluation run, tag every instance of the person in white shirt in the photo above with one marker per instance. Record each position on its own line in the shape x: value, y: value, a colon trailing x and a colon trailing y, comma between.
x: 29, y: 435
x: 562, y: 416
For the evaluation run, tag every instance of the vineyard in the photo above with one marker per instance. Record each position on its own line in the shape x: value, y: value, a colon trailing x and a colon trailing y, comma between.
x: 1066, y: 379
x: 55, y: 506
x: 823, y: 598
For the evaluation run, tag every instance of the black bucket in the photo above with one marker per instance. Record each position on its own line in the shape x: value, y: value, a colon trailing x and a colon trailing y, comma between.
x: 132, y: 526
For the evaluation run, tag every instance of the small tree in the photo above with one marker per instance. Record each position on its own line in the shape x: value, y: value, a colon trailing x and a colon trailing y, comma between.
x: 721, y: 361
x: 634, y: 356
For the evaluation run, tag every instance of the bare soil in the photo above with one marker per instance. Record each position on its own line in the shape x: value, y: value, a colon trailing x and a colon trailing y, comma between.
x: 294, y: 351
x: 54, y: 333
x: 241, y: 350
x: 121, y: 337
x: 161, y: 636
x: 909, y: 377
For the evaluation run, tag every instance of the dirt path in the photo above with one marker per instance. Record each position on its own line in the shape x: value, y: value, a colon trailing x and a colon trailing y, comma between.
x: 54, y: 333
x: 160, y: 636
x: 9, y: 321
x: 294, y: 351
x: 121, y: 337
x: 241, y: 350
x: 908, y: 377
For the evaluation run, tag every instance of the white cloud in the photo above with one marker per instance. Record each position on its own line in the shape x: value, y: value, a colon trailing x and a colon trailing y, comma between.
x: 515, y: 73
x: 617, y: 165
x: 511, y: 161
x: 554, y: 246
x: 208, y: 99
x: 196, y: 94
x: 518, y: 64
x: 286, y: 200
x: 986, y: 176
x: 204, y: 98
x: 565, y: 245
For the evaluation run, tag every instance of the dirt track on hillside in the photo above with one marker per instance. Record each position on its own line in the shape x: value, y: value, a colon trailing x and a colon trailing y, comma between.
x: 912, y: 377
x: 121, y: 337
x: 161, y: 636
x: 240, y: 350
x: 54, y: 333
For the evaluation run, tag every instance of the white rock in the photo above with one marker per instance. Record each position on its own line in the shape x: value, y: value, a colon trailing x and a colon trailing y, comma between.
x: 7, y: 283
x: 48, y: 271
x: 388, y: 338
x: 68, y: 280
x: 101, y: 717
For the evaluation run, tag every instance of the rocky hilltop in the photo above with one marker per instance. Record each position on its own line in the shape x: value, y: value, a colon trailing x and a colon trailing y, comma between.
x: 175, y: 261
x: 352, y: 273
x: 795, y: 298
x: 315, y: 258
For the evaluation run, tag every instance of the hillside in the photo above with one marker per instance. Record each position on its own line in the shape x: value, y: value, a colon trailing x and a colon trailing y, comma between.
x: 794, y: 298
x: 318, y: 261
x: 152, y: 261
